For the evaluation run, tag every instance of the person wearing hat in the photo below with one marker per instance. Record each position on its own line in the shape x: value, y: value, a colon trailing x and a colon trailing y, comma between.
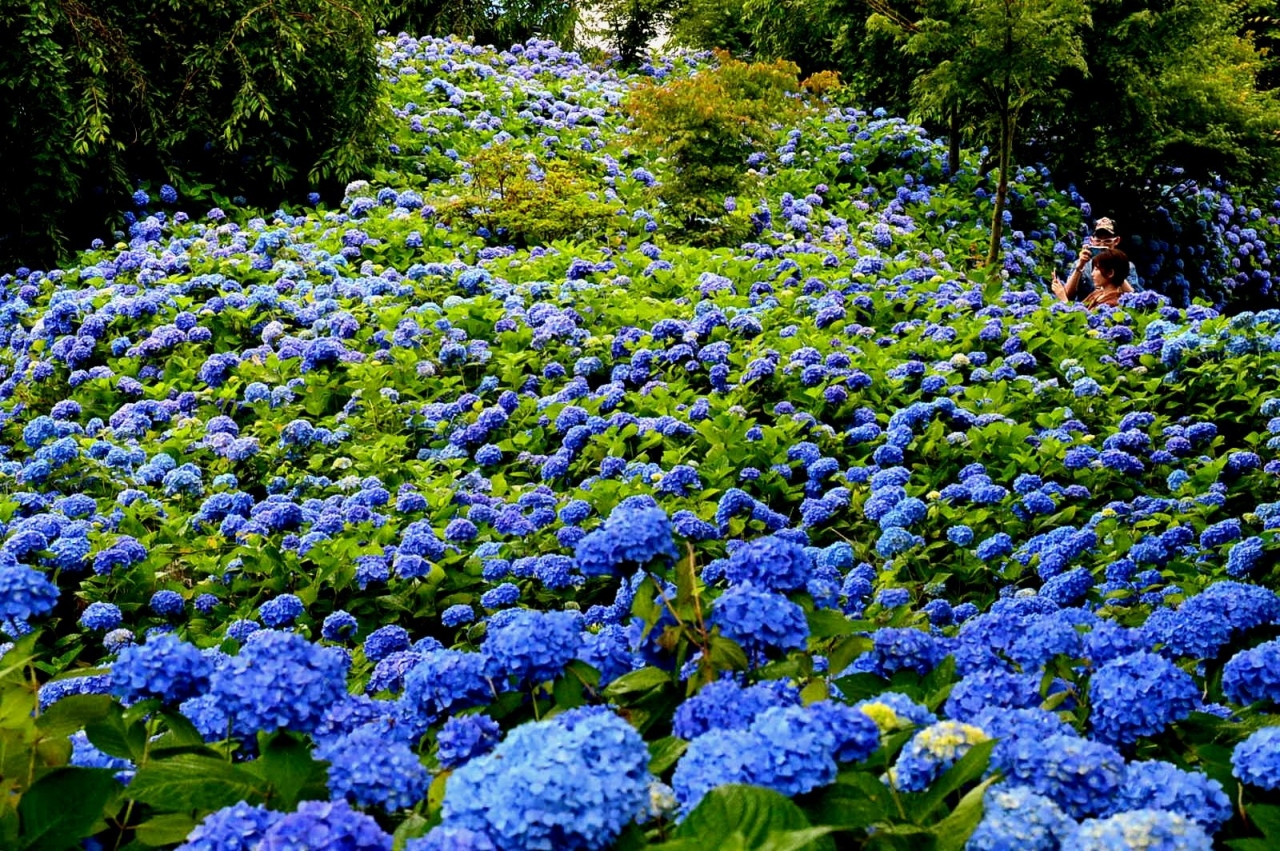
x: 1079, y: 284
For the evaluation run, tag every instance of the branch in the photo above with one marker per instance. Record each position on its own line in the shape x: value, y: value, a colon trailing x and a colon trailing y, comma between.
x: 885, y: 9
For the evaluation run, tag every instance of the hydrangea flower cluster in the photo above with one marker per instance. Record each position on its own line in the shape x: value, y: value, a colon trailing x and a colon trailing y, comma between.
x: 390, y: 471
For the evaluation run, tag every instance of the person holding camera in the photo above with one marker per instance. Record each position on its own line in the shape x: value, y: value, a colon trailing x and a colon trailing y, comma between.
x: 1080, y: 283
x: 1107, y: 271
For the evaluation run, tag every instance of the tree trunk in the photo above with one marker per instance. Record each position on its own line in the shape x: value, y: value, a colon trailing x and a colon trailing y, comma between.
x: 953, y: 144
x: 1002, y: 190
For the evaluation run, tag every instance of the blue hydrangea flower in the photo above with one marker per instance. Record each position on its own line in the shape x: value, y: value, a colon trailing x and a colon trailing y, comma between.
x: 1154, y: 784
x: 724, y: 705
x: 384, y: 641
x: 931, y: 752
x: 457, y: 615
x: 531, y: 646
x: 791, y: 749
x: 1155, y: 830
x: 1253, y: 675
x: 630, y: 536
x: 101, y: 616
x: 165, y: 667
x: 239, y: 827
x: 464, y: 737
x: 281, y: 610
x: 771, y: 562
x: 279, y: 681
x: 1139, y: 695
x: 760, y: 620
x: 994, y: 547
x: 25, y: 593
x: 1081, y: 776
x: 447, y: 680
x: 339, y: 627
x: 325, y: 826
x: 1017, y: 819
x: 897, y: 649
x: 1256, y: 760
x: 893, y: 711
x: 395, y: 780
x: 442, y: 838
x: 991, y: 688
x: 572, y: 783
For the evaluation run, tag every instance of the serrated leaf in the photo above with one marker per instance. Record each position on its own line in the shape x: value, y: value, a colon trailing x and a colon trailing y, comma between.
x: 286, y: 763
x: 166, y: 829
x: 73, y: 713
x: 825, y: 623
x: 61, y: 808
x: 195, y: 782
x: 752, y: 811
x: 953, y: 832
x: 665, y: 752
x: 637, y: 682
x: 966, y: 769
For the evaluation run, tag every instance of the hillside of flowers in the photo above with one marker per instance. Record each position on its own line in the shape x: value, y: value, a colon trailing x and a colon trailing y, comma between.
x: 486, y: 508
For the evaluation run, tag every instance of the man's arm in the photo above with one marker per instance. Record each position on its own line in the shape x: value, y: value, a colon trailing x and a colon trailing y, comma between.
x: 1073, y: 280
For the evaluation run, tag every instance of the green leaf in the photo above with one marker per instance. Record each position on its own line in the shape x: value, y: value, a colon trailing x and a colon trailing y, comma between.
x: 62, y: 807
x: 825, y: 623
x: 73, y: 713
x: 1250, y: 845
x: 797, y: 840
x: 114, y: 736
x: 1267, y: 819
x: 181, y: 733
x: 665, y: 752
x: 966, y: 769
x: 637, y: 682
x: 411, y: 828
x: 753, y: 811
x: 166, y: 829
x: 858, y: 800
x: 954, y: 830
x: 286, y: 763
x: 856, y: 687
x: 195, y: 782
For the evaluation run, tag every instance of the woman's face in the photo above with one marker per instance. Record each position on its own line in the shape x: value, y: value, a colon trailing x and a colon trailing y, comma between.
x: 1099, y: 277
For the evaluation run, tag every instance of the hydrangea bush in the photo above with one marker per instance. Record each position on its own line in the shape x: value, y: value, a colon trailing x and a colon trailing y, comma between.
x: 362, y: 523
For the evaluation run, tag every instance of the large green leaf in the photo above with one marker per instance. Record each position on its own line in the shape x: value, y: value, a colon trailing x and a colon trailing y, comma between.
x: 752, y: 812
x: 73, y: 713
x: 966, y: 769
x: 195, y: 782
x: 286, y: 763
x: 62, y: 807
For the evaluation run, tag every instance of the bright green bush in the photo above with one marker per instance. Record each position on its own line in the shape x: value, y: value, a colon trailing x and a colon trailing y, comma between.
x: 707, y: 125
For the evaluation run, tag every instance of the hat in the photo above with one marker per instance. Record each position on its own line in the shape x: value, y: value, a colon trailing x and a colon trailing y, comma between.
x: 1104, y: 227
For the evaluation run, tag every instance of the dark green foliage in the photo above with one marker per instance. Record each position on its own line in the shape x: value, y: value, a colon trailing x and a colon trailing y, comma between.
x: 261, y: 99
x: 1166, y: 87
x: 630, y: 25
x: 500, y: 25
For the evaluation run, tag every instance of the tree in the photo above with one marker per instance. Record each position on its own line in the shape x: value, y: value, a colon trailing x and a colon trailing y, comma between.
x: 992, y: 59
x: 498, y: 24
x: 256, y: 97
x: 1169, y: 86
x: 629, y: 26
